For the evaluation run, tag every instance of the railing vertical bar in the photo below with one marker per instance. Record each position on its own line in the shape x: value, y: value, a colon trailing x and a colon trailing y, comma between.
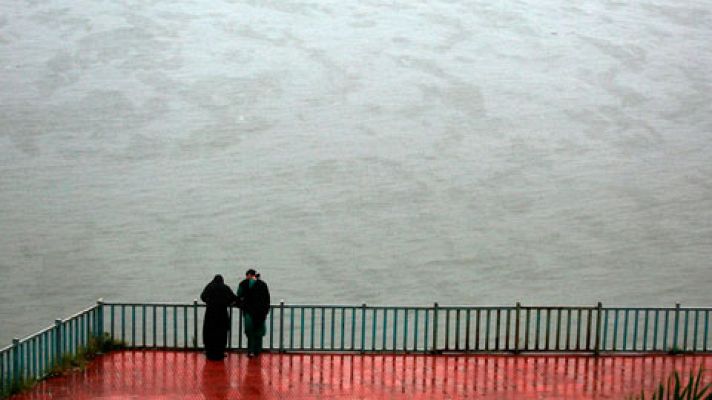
x: 478, y: 315
x: 415, y: 329
x: 615, y: 329
x: 707, y: 319
x: 677, y: 323
x: 123, y: 323
x: 635, y: 330
x: 395, y: 327
x: 665, y: 330
x: 435, y: 326
x: 73, y: 336
x: 175, y: 326
x: 578, y: 329
x: 426, y: 331
x: 281, y: 326
x: 568, y: 329
x: 684, y: 337
x: 231, y: 325
x: 374, y: 323
x: 111, y: 315
x: 405, y: 329
x: 457, y: 329
x: 143, y: 325
x: 353, y: 328
x: 548, y: 324
x: 558, y: 328
x: 625, y: 329
x: 517, y: 316
x: 468, y: 313
x: 301, y: 328
x: 597, y: 345
x: 507, y: 328
x: 343, y: 328
x: 694, y: 337
x: 291, y: 327
x: 497, y: 331
x: 538, y: 326
x: 526, y: 329
x: 33, y: 345
x: 385, y: 324
x: 323, y: 327
x: 333, y: 326
x: 655, y: 330
x: 133, y: 325
x: 271, y: 330
x: 165, y: 326
x: 185, y: 327
x: 645, y: 330
x: 487, y: 328
x: 447, y: 329
x: 155, y: 327
x: 589, y: 320
x: 363, y: 328
x: 195, y: 324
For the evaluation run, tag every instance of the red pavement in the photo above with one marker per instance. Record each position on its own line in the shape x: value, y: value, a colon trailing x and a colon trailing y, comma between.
x: 187, y: 375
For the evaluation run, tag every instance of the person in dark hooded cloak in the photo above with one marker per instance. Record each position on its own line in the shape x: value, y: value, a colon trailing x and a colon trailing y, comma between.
x: 254, y: 300
x: 217, y: 297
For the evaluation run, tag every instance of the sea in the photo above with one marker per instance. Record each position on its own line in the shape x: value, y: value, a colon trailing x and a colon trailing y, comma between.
x: 398, y: 152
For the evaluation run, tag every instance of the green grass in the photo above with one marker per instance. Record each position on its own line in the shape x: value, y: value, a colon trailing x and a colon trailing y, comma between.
x: 675, y: 389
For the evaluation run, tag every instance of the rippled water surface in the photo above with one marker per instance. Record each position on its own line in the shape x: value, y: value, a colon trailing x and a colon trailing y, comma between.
x: 355, y: 151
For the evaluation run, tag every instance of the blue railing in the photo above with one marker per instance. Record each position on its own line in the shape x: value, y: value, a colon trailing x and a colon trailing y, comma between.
x: 364, y: 329
x: 426, y: 329
x: 36, y: 355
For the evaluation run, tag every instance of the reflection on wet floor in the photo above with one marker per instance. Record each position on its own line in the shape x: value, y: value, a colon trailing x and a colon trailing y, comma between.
x: 165, y: 374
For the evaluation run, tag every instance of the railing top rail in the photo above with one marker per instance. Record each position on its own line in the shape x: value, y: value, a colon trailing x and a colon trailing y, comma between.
x: 420, y: 306
x: 80, y: 313
x: 34, y: 335
x: 6, y: 348
x: 151, y: 304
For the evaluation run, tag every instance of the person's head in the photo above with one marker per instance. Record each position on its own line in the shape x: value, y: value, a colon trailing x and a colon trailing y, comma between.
x: 218, y: 279
x: 251, y: 274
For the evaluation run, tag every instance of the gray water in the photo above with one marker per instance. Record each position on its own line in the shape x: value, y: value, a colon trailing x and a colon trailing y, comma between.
x: 399, y: 152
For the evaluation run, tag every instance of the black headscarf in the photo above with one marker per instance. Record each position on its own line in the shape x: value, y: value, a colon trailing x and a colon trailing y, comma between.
x: 217, y: 293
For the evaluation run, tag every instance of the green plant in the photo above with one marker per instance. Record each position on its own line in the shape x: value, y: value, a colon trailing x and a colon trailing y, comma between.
x: 675, y: 389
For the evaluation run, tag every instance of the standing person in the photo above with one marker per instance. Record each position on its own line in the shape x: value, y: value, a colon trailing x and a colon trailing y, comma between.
x: 253, y: 299
x: 217, y: 297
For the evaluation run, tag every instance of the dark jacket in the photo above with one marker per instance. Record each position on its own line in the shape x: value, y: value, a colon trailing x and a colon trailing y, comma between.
x: 254, y: 301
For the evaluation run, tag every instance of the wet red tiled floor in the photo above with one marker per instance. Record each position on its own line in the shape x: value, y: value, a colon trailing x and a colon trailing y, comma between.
x: 187, y: 375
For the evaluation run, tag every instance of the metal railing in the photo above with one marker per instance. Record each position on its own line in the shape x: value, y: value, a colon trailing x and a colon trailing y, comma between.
x: 35, y: 356
x: 366, y: 329
x: 426, y: 329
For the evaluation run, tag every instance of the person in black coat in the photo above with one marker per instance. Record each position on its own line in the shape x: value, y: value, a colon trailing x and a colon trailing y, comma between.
x: 254, y: 300
x: 217, y: 297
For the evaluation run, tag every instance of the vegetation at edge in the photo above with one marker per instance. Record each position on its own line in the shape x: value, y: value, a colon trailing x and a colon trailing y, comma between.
x: 96, y: 345
x: 675, y: 389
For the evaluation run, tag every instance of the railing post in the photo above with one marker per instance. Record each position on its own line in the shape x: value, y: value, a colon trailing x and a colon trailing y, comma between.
x: 195, y: 324
x: 281, y: 326
x: 100, y: 318
x: 58, y: 340
x: 597, y: 342
x: 16, y: 363
x: 516, y: 327
x: 435, y: 328
x: 677, y: 322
